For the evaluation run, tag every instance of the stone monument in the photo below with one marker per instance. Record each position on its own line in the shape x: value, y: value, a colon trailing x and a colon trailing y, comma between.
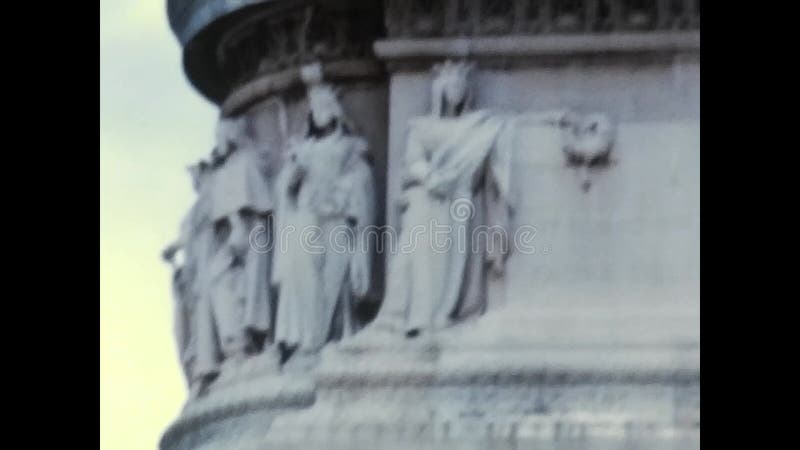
x: 437, y: 224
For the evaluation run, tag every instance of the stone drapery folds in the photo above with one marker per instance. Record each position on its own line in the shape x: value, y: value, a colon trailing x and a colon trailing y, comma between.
x: 326, y: 202
x: 235, y: 300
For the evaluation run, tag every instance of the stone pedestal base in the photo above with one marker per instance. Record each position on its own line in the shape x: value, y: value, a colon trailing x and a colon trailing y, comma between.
x: 513, y: 379
x: 239, y: 407
x: 424, y: 395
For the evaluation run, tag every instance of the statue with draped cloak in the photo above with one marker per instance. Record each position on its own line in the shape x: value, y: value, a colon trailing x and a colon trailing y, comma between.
x: 325, y: 194
x: 188, y: 257
x: 455, y: 204
x: 233, y: 319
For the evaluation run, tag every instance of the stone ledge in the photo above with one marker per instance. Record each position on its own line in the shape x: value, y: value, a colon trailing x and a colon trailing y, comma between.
x: 578, y: 428
x: 189, y: 18
x: 527, y: 46
x: 265, y: 393
x: 367, y: 368
x: 684, y: 441
x: 619, y: 415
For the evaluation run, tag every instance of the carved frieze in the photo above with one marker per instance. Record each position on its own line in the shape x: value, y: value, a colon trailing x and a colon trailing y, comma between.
x: 450, y: 18
x: 270, y: 42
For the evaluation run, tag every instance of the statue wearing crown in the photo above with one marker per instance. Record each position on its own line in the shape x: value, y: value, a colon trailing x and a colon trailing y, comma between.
x: 325, y: 194
x: 455, y: 208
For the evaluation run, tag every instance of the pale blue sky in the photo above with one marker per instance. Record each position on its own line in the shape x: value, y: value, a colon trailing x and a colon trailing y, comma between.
x: 152, y: 125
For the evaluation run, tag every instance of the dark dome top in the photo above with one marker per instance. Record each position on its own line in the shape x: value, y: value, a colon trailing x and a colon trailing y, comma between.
x: 214, y: 68
x: 188, y: 17
x: 198, y: 24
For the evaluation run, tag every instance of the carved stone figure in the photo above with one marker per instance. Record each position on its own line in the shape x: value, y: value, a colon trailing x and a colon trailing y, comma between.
x: 233, y: 320
x: 587, y: 144
x: 456, y: 204
x: 188, y: 258
x: 326, y: 201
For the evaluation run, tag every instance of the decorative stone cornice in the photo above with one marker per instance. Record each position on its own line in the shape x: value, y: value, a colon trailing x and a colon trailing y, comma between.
x: 450, y: 18
x: 273, y: 39
x: 271, y: 393
x: 268, y: 84
x: 411, y: 367
x: 536, y: 46
x: 189, y: 17
x: 229, y: 44
x: 524, y: 32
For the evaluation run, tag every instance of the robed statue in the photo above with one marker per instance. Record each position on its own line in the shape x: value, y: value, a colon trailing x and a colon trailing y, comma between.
x: 188, y: 256
x: 322, y: 262
x: 233, y: 318
x: 456, y: 203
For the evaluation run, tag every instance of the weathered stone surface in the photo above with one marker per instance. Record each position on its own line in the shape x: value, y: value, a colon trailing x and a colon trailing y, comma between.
x: 591, y: 340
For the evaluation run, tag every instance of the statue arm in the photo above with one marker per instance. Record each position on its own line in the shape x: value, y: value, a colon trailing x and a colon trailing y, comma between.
x: 419, y: 171
x: 360, y: 266
x: 282, y: 221
x: 442, y: 182
x: 416, y: 166
x: 498, y: 218
x: 500, y: 204
x: 294, y: 169
x: 559, y: 117
x: 362, y: 215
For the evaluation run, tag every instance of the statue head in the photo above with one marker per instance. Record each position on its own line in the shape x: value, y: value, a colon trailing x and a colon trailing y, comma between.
x: 325, y: 111
x: 451, y: 93
x: 231, y: 133
x: 588, y: 142
x: 326, y: 114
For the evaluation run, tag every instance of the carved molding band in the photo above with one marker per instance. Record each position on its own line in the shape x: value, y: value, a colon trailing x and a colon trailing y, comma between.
x: 529, y: 367
x: 189, y: 17
x: 449, y: 18
x: 228, y: 43
x: 527, y: 46
x: 268, y: 84
x: 269, y: 42
x: 258, y: 395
